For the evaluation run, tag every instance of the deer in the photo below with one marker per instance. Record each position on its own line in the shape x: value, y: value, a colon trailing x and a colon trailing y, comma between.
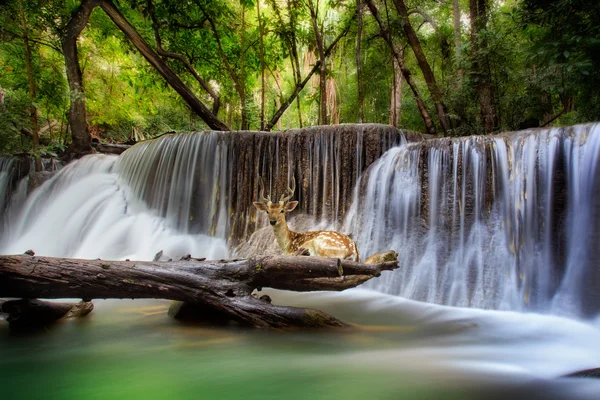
x: 313, y: 243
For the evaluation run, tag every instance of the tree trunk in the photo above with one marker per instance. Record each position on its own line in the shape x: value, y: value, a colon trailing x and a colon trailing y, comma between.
x: 481, y: 66
x: 314, y: 14
x: 32, y: 95
x: 396, y: 95
x: 429, y: 126
x: 163, y: 69
x: 457, y: 41
x: 81, y: 141
x: 242, y: 78
x: 221, y: 288
x: 284, y: 106
x: 359, y: 12
x: 415, y: 44
x: 262, y: 67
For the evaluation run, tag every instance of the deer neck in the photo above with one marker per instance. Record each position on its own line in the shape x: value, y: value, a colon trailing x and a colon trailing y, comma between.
x: 284, y: 236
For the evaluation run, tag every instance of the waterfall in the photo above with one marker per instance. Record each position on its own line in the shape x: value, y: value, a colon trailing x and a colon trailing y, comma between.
x: 191, y: 193
x: 503, y: 222
x: 85, y: 211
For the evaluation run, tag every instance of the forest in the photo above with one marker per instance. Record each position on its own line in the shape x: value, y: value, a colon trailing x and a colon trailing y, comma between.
x: 123, y: 71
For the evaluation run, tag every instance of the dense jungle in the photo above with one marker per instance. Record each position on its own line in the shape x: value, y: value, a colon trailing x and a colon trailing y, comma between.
x: 129, y: 70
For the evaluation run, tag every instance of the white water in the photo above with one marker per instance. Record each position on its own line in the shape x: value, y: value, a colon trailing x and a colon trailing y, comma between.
x: 86, y: 211
x: 482, y: 221
x: 498, y: 253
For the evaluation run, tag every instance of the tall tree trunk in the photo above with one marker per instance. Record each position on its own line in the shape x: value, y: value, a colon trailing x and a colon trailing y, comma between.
x: 289, y: 37
x: 429, y: 126
x: 481, y: 66
x: 457, y: 41
x: 415, y: 44
x: 359, y: 11
x: 284, y: 106
x: 81, y: 141
x: 32, y: 91
x: 262, y: 67
x: 396, y: 95
x: 163, y: 69
x: 314, y: 14
x: 242, y: 78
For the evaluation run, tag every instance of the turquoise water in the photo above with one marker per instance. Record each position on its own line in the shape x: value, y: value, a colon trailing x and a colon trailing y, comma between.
x: 398, y: 349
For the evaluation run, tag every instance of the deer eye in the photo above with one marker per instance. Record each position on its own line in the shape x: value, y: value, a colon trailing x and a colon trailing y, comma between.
x: 282, y: 211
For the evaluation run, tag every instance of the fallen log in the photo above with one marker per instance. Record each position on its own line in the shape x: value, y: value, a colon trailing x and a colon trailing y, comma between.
x: 221, y: 289
x: 32, y: 314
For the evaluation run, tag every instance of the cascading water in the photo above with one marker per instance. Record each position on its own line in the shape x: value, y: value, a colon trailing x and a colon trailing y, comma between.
x: 481, y: 250
x: 86, y: 211
x: 190, y: 193
x: 504, y: 222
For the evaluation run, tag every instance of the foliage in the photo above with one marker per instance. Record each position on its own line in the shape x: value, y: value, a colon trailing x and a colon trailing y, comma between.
x: 544, y: 62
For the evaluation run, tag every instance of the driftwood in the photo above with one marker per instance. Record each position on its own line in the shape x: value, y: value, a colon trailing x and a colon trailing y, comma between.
x: 221, y: 289
x: 32, y: 314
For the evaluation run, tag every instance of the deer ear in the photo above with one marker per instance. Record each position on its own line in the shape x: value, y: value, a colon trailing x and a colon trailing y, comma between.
x: 290, y: 206
x: 260, y: 206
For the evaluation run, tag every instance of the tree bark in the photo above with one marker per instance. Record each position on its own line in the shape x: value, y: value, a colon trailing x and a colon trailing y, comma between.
x: 81, y: 141
x: 359, y: 12
x: 415, y: 45
x: 396, y: 95
x: 314, y: 14
x: 32, y: 91
x: 242, y: 76
x: 481, y: 65
x: 457, y: 40
x: 429, y: 126
x: 163, y: 69
x: 262, y: 67
x: 221, y: 288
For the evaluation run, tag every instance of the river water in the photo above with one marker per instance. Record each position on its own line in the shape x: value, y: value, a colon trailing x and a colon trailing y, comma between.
x: 407, y: 342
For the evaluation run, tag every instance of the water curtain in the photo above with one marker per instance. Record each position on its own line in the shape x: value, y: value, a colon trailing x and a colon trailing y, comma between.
x: 503, y: 222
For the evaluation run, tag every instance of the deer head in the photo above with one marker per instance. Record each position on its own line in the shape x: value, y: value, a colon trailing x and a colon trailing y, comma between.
x: 276, y: 211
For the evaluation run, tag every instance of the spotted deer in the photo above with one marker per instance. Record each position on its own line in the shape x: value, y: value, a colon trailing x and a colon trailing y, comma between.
x: 315, y: 243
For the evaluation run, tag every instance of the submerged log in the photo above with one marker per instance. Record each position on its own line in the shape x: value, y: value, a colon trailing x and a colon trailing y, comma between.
x: 222, y: 289
x: 32, y: 314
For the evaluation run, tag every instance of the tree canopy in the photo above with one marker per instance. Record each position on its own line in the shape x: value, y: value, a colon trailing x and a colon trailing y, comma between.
x: 149, y: 66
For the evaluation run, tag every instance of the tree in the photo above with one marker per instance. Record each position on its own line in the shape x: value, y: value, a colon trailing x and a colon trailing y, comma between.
x: 81, y: 140
x: 415, y: 45
x: 405, y: 72
x: 318, y: 32
x: 481, y: 74
x: 359, y: 13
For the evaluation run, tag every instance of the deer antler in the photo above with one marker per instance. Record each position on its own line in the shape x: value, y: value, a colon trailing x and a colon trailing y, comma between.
x: 284, y: 199
x: 262, y: 191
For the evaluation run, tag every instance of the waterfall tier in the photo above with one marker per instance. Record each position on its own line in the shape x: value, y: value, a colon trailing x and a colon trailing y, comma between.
x: 503, y: 222
x: 206, y: 183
